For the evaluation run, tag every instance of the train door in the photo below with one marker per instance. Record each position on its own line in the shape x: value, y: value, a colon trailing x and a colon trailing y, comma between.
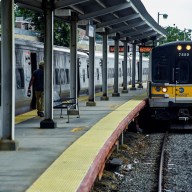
x: 183, y: 81
x: 33, y: 68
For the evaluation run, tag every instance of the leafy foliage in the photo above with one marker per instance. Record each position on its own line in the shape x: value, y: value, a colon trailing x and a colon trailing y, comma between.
x: 176, y: 34
x: 61, y: 29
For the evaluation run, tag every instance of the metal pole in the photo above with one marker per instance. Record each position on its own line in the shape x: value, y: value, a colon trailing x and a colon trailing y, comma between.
x: 73, y: 57
x: 48, y: 71
x: 133, y: 66
x: 91, y: 101
x: 158, y: 18
x: 104, y: 68
x: 7, y: 127
x: 125, y: 90
x: 116, y: 67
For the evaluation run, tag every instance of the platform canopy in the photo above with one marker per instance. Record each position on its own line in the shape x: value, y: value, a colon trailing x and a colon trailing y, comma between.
x: 127, y: 18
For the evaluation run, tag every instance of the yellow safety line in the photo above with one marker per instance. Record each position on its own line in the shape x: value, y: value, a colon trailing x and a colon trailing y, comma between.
x: 32, y: 114
x: 25, y: 116
x: 67, y: 172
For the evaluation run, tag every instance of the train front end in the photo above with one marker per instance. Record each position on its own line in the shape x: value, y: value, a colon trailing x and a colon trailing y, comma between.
x: 170, y: 81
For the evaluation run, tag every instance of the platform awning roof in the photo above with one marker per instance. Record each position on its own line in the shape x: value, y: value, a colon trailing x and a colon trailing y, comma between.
x: 127, y: 18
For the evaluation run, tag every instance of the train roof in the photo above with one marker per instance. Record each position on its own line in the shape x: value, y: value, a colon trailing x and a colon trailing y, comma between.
x: 174, y: 43
x: 39, y: 45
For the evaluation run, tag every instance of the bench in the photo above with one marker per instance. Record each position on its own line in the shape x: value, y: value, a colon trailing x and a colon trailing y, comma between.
x: 67, y: 103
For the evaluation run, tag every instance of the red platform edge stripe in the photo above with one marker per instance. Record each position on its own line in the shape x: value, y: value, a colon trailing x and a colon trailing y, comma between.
x: 100, y: 159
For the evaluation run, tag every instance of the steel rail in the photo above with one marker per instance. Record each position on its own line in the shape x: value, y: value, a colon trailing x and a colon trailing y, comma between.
x: 161, y: 163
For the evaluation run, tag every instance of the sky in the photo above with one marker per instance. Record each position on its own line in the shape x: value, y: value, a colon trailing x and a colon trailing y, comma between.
x: 179, y: 12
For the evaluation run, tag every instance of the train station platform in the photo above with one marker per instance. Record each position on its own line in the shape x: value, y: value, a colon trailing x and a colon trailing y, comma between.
x: 66, y: 158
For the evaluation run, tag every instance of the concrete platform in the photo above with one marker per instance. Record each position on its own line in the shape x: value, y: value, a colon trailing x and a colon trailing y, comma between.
x: 61, y: 159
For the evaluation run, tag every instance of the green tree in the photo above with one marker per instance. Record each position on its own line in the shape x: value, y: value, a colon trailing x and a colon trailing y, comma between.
x: 61, y: 29
x: 176, y: 34
x: 61, y: 33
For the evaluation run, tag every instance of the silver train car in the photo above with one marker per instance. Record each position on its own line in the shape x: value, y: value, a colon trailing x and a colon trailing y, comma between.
x: 28, y: 54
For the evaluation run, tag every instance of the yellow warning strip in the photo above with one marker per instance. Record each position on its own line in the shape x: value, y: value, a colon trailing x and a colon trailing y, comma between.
x: 32, y: 114
x: 77, y: 129
x: 67, y: 172
x: 25, y: 116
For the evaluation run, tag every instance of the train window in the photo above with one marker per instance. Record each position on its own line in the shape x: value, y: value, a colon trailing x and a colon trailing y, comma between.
x: 67, y: 76
x: 18, y: 56
x: 113, y: 72
x: 110, y: 75
x: 62, y: 76
x: 161, y: 73
x: 120, y: 72
x: 87, y: 68
x: 97, y: 73
x: 160, y: 70
x: 88, y: 71
x: 101, y: 62
x: 128, y: 71
x: 57, y: 76
x: 182, y: 75
x: 83, y: 75
x: 145, y: 71
x: 20, y: 78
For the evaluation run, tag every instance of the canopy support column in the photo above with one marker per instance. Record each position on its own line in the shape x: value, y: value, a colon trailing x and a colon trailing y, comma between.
x: 104, y: 68
x: 133, y: 66
x: 73, y: 57
x: 74, y: 66
x: 48, y: 68
x: 125, y: 90
x: 116, y: 68
x: 91, y: 101
x: 140, y: 71
x: 7, y: 127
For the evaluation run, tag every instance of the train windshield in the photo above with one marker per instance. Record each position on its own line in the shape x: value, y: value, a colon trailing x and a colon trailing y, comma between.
x: 160, y: 70
x: 182, y: 71
x: 172, y: 63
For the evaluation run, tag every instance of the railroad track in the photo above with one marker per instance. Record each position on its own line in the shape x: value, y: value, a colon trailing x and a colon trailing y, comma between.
x: 160, y: 180
x: 141, y: 170
x: 175, y: 172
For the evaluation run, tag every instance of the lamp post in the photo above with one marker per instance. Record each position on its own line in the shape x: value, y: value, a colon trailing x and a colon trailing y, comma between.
x: 164, y: 16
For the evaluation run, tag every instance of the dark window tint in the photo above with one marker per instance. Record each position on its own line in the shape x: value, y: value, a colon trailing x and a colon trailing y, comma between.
x: 120, y: 72
x: 182, y: 75
x: 145, y: 71
x: 88, y: 69
x: 67, y: 76
x: 97, y: 73
x: 160, y: 69
x: 57, y: 76
x: 20, y: 78
x: 83, y: 75
x: 129, y: 72
x: 62, y: 76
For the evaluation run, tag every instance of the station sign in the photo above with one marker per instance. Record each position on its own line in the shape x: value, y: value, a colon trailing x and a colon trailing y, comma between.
x: 145, y: 49
x: 121, y: 49
x: 90, y: 30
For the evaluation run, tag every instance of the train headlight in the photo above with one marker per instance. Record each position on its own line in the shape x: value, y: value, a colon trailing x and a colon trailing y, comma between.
x: 188, y: 47
x: 179, y: 47
x: 158, y: 89
x: 164, y: 89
